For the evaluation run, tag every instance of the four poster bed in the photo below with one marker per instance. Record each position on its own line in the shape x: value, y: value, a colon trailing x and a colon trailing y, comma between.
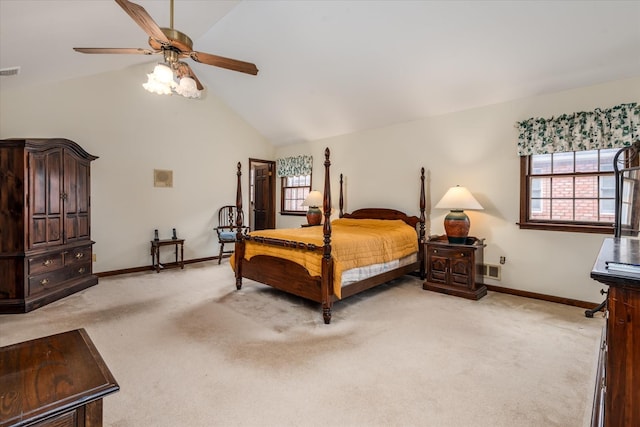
x: 341, y: 258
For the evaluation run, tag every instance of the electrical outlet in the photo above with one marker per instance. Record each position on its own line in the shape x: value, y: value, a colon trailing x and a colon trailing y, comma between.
x: 503, y: 259
x: 93, y: 257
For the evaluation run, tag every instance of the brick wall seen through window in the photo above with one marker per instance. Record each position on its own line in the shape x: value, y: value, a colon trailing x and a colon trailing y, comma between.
x: 572, y: 189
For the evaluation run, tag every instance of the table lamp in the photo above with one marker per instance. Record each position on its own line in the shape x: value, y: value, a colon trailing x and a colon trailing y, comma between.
x: 314, y: 214
x: 456, y: 223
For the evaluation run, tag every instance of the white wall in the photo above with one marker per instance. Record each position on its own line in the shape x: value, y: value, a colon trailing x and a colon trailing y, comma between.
x: 477, y: 149
x: 134, y: 132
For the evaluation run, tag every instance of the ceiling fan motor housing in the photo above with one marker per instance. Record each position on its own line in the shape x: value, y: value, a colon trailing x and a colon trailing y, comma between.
x: 177, y: 40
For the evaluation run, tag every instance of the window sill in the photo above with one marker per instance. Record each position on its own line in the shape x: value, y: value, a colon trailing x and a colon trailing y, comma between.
x: 574, y: 228
x: 289, y: 213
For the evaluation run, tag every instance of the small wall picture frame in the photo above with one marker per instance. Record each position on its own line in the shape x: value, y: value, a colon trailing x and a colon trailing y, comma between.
x: 163, y: 178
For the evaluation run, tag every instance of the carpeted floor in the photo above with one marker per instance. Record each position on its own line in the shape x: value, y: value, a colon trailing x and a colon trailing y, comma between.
x: 189, y: 350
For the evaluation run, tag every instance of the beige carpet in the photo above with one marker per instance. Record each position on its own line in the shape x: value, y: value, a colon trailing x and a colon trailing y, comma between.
x: 189, y: 350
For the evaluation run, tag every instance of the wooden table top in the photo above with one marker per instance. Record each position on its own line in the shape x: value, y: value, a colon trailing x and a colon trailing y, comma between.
x: 618, y: 250
x: 51, y: 374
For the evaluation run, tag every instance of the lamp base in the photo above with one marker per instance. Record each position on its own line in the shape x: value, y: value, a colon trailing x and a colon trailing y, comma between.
x: 314, y: 216
x: 456, y: 225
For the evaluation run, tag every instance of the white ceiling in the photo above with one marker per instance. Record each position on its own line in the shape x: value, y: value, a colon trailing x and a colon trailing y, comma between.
x: 334, y: 67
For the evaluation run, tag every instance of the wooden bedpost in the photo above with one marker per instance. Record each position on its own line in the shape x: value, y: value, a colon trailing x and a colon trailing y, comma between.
x: 239, y: 247
x: 341, y: 198
x: 327, y: 261
x: 421, y: 239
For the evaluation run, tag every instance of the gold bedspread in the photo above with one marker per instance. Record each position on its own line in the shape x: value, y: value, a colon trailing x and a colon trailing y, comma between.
x: 354, y: 243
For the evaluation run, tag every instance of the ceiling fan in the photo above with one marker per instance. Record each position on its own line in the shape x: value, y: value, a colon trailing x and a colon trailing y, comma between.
x: 173, y: 44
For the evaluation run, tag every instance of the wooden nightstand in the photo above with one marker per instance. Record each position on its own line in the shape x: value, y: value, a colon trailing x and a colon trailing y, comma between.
x: 455, y: 269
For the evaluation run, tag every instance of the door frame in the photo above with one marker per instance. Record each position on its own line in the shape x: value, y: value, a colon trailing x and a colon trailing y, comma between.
x: 271, y: 221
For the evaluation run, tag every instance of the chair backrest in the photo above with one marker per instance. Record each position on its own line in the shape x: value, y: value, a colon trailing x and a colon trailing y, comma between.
x: 227, y: 216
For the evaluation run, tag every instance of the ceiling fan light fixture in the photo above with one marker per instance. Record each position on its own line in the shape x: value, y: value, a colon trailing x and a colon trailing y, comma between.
x: 188, y: 88
x: 154, y: 86
x: 163, y: 73
x: 160, y: 81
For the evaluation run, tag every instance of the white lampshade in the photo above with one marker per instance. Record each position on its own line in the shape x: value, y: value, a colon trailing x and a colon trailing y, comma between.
x: 314, y: 199
x: 188, y: 88
x: 458, y: 198
x: 163, y: 73
x: 160, y: 81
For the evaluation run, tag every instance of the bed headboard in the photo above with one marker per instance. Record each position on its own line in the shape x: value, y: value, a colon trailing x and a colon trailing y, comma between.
x: 382, y: 213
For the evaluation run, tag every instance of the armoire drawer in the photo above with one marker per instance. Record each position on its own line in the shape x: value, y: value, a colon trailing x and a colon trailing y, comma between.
x: 48, y: 281
x: 45, y: 263
x: 78, y: 255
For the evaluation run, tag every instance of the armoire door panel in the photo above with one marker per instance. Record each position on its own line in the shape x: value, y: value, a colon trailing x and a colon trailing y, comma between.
x: 46, y: 198
x: 38, y: 185
x: 38, y: 233
x: 54, y: 229
x: 54, y: 182
x: 70, y: 184
x: 76, y: 207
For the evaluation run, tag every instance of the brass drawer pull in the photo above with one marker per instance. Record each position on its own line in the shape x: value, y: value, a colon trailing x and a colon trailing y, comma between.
x: 81, y: 270
x: 79, y: 255
x: 44, y: 282
x: 47, y: 263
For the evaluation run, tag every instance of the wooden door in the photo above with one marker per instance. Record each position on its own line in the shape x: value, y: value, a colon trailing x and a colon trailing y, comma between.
x: 261, y: 197
x: 45, y: 198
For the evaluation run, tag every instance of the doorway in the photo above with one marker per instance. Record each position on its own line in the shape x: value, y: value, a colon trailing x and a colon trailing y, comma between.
x: 262, y: 194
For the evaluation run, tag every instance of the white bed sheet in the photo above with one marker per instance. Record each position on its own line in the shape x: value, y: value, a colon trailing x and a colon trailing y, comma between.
x: 361, y: 273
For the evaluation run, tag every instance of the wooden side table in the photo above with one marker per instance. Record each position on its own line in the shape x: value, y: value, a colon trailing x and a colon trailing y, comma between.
x: 155, y: 253
x: 54, y: 381
x: 455, y: 269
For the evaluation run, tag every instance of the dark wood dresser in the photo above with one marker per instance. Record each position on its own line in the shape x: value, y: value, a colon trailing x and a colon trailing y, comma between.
x: 54, y: 381
x: 45, y: 222
x: 617, y: 392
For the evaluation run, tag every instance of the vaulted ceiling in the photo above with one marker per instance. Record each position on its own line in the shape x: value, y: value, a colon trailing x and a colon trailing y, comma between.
x: 334, y: 67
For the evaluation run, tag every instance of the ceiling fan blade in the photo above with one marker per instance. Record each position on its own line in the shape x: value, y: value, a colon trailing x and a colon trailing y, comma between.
x: 142, y: 18
x: 126, y: 50
x: 183, y: 69
x: 221, y: 61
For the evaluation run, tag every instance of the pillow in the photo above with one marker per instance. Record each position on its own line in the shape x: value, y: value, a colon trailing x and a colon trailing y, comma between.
x: 228, y: 235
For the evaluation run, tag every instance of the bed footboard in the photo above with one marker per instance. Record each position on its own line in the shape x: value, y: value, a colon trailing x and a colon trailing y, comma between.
x: 283, y: 274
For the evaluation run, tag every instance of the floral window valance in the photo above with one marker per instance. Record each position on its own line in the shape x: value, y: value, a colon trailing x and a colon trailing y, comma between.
x: 294, y: 166
x: 614, y: 127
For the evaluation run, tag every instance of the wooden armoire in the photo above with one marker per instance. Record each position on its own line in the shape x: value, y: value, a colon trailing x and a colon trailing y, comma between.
x: 45, y: 222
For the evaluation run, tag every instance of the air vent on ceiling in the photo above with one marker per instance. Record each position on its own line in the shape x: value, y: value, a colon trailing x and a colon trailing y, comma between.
x: 11, y: 71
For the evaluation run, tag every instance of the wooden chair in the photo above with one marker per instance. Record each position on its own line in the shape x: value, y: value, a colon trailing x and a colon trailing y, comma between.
x: 227, y: 229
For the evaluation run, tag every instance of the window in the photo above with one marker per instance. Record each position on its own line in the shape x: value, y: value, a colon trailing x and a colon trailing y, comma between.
x: 568, y: 191
x: 294, y: 190
x: 295, y: 181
